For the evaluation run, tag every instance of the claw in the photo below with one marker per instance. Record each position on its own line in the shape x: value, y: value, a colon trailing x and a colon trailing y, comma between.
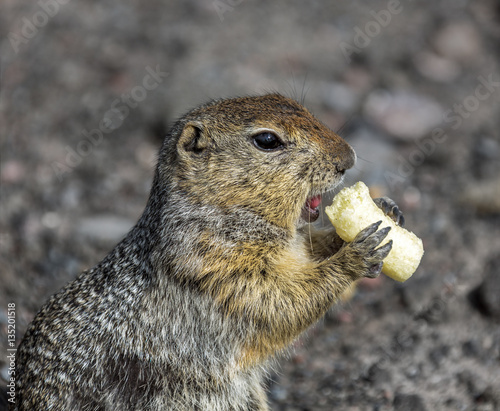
x: 401, y: 220
x: 384, y: 205
x: 390, y: 208
x: 383, y: 251
x: 382, y: 233
x: 375, y: 270
x: 367, y: 232
x: 377, y: 238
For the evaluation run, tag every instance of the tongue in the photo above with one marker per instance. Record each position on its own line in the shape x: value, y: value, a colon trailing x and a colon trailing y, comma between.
x: 310, y: 212
x: 314, y: 202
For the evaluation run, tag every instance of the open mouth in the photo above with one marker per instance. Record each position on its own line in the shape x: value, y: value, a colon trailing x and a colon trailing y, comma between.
x: 310, y: 211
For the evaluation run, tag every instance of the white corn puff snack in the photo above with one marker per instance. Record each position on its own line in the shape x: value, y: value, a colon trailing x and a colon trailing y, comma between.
x: 353, y: 209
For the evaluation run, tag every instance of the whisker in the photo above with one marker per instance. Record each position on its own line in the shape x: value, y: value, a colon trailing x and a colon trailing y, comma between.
x: 365, y: 159
x: 310, y: 239
x: 303, y: 94
x: 344, y: 125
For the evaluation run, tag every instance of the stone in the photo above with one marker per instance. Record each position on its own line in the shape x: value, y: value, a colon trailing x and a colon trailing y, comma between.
x: 486, y: 297
x: 106, y: 228
x: 340, y: 97
x: 378, y: 375
x: 458, y: 41
x: 436, y: 68
x: 404, y: 115
x: 408, y: 402
x: 483, y: 196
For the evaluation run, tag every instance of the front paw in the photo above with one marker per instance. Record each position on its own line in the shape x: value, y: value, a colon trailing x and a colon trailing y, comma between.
x: 362, y: 257
x: 390, y: 209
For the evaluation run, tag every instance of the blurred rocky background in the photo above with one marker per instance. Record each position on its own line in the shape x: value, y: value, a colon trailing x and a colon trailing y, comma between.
x: 88, y: 90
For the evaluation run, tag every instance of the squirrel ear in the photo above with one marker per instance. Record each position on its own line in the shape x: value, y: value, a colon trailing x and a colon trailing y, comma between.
x: 192, y: 139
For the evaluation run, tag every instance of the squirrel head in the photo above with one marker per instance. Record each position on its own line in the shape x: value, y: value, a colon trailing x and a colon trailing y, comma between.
x: 266, y: 154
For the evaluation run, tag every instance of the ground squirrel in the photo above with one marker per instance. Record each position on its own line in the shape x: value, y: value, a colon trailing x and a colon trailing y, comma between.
x: 220, y: 273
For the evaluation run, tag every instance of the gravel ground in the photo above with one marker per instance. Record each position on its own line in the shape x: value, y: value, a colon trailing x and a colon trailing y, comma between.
x: 413, y: 86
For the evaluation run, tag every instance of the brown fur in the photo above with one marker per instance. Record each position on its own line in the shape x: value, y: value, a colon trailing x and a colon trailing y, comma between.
x: 220, y: 273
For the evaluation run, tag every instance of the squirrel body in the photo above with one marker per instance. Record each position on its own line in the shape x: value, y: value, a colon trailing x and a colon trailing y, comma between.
x: 220, y: 273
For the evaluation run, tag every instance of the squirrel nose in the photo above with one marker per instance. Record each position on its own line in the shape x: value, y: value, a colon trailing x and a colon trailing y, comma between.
x: 346, y: 159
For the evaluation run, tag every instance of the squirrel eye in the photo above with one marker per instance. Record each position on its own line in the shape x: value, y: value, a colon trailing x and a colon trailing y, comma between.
x: 267, y: 141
